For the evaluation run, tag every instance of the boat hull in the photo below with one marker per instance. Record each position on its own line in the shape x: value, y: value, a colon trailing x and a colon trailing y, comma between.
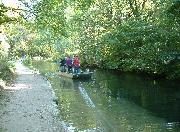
x: 84, y: 75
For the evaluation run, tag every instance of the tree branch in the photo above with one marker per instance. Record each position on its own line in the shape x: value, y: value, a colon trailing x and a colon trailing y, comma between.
x: 143, y: 4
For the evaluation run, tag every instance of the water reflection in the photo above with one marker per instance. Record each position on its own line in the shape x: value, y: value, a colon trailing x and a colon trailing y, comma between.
x: 75, y: 105
x: 161, y: 98
x: 113, y: 108
x: 156, y: 98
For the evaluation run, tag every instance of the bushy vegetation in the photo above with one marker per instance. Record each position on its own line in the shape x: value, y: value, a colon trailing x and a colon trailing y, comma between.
x: 6, y: 71
x: 126, y: 35
x: 6, y: 67
x: 139, y: 46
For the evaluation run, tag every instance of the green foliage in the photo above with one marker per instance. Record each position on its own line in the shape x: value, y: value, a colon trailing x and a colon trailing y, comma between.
x: 6, y: 68
x: 138, y: 46
x: 128, y: 35
x: 145, y: 44
x: 6, y: 71
x: 174, y: 11
x: 4, y: 18
x: 27, y: 61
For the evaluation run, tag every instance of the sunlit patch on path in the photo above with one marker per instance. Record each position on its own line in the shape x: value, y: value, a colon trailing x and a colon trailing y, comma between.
x: 20, y: 69
x: 18, y: 87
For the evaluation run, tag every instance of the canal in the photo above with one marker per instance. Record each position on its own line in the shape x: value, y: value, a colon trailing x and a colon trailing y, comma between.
x: 115, y: 102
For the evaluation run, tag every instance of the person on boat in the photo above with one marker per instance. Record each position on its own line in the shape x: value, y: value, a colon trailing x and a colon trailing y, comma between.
x: 63, y: 65
x: 69, y: 64
x: 76, y: 64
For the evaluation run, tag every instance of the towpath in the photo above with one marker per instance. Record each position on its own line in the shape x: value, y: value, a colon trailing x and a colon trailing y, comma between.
x: 27, y: 105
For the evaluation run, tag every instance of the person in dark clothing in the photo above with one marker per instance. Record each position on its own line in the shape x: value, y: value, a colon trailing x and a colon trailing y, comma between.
x: 63, y: 65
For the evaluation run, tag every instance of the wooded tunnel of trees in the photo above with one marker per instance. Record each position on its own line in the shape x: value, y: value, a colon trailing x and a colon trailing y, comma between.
x: 126, y: 35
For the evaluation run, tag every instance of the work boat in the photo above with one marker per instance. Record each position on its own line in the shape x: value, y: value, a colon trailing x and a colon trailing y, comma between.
x: 82, y: 75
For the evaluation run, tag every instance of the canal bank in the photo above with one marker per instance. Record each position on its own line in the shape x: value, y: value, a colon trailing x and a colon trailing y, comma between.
x: 28, y: 104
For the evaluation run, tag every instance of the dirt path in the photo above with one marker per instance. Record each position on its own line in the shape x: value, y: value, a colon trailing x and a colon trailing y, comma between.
x: 28, y: 105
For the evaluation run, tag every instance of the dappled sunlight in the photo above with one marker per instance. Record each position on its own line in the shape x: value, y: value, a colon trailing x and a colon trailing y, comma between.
x: 18, y: 87
x: 20, y: 69
x: 131, y: 47
x: 20, y: 72
x: 11, y: 3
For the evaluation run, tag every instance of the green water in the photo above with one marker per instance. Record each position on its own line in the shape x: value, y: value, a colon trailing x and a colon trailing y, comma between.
x: 116, y: 102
